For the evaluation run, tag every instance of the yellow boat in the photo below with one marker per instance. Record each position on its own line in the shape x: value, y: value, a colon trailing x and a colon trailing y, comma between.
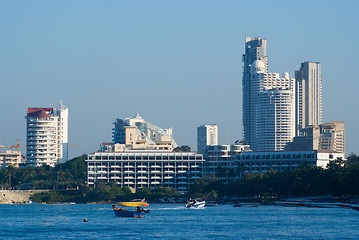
x: 134, y: 203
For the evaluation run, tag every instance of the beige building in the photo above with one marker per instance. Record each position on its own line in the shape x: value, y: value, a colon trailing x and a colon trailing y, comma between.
x: 326, y: 136
x: 137, y: 134
x: 308, y: 95
x: 10, y: 158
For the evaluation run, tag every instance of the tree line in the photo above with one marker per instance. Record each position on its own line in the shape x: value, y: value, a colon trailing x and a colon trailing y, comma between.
x: 67, y: 183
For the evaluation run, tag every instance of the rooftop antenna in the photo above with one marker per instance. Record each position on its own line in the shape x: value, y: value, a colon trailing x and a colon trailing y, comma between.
x: 228, y: 136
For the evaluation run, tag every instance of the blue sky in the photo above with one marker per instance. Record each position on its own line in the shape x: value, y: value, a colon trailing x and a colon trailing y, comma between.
x: 176, y: 63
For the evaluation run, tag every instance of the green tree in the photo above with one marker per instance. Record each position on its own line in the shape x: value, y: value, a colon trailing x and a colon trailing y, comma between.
x: 183, y: 148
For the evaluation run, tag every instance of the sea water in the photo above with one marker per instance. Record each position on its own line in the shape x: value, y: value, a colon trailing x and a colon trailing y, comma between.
x: 174, y: 221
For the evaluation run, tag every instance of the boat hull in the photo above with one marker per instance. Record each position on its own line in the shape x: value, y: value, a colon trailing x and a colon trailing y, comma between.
x: 196, y: 205
x: 120, y: 212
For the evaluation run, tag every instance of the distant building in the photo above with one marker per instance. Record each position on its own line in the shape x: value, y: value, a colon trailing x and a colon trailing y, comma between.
x: 47, y: 136
x: 230, y: 165
x: 308, y: 95
x: 10, y: 158
x: 136, y: 133
x: 327, y: 136
x: 255, y: 49
x: 284, y: 160
x: 206, y: 135
x: 218, y: 156
x: 272, y: 121
x: 145, y: 168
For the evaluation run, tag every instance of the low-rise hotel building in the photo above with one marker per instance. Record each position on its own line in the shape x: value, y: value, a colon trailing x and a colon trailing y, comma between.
x: 10, y: 158
x: 218, y: 155
x: 284, y: 160
x: 229, y: 165
x: 144, y: 168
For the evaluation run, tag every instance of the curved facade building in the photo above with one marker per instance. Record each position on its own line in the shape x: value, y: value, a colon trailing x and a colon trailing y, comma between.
x: 47, y: 136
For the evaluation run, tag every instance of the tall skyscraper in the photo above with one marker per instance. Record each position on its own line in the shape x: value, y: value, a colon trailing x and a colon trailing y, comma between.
x: 309, y: 95
x: 268, y: 101
x: 206, y: 135
x: 47, y: 136
x: 255, y: 49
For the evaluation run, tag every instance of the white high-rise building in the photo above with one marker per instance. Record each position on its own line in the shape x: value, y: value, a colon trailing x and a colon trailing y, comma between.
x: 47, y: 136
x: 255, y: 49
x: 272, y: 121
x: 206, y: 135
x: 309, y: 95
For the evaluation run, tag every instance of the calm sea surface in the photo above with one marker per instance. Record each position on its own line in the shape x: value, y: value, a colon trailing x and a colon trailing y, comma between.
x: 174, y: 221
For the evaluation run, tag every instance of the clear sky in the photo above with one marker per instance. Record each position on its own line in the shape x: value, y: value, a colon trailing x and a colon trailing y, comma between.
x: 176, y: 63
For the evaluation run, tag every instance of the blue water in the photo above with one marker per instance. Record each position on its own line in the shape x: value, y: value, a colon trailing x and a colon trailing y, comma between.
x: 174, y: 221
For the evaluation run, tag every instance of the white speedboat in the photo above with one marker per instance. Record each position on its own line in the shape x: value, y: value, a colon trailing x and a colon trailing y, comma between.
x: 195, y: 204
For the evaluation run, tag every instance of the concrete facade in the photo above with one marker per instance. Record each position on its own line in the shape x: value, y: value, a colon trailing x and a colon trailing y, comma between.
x: 136, y: 133
x: 326, y: 136
x: 232, y: 166
x: 10, y: 158
x: 206, y: 135
x: 137, y: 169
x: 255, y: 49
x: 272, y: 121
x: 47, y: 136
x: 309, y: 95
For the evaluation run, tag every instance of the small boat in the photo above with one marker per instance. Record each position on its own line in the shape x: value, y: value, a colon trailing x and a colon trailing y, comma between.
x: 121, y: 212
x: 196, y: 204
x: 211, y: 204
x: 246, y: 204
x: 134, y: 203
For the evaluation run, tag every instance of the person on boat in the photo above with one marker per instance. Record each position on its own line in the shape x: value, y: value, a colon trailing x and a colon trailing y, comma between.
x: 138, y: 209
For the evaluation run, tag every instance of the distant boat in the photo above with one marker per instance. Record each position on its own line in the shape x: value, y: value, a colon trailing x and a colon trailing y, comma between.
x: 211, y: 204
x: 134, y: 203
x: 196, y: 204
x: 310, y: 204
x: 246, y: 204
x: 121, y: 212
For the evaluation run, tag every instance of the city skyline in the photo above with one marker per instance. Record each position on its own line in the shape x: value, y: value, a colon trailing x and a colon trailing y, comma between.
x: 106, y: 61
